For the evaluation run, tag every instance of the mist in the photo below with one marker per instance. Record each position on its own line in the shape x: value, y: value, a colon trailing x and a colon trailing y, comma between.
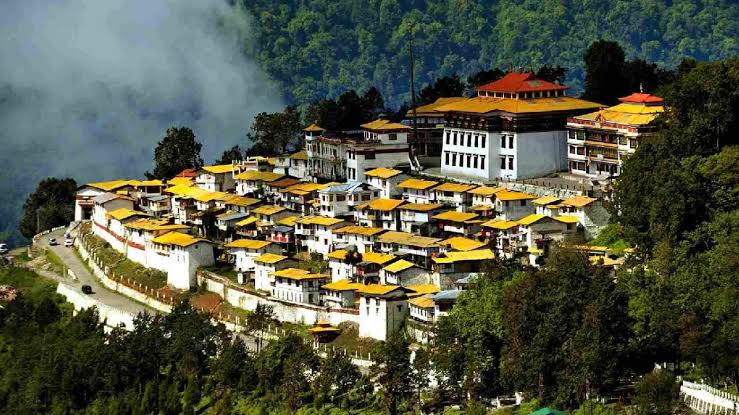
x: 88, y: 87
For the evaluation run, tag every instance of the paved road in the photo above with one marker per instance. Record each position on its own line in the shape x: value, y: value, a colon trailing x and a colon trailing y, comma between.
x: 73, y: 262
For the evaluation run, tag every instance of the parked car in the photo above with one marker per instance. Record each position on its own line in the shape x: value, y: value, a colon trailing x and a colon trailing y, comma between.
x: 52, y: 241
x: 4, y: 249
x: 69, y: 242
x: 86, y: 289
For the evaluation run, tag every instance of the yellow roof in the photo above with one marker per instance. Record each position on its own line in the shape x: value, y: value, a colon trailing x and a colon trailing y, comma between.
x: 181, y: 189
x: 242, y: 201
x: 319, y: 220
x: 454, y: 216
x: 454, y: 187
x: 591, y: 248
x: 420, y: 207
x: 382, y: 172
x: 579, y: 201
x: 484, y: 105
x: 546, y: 200
x: 430, y: 109
x: 186, y: 181
x: 382, y: 125
x: 154, y: 225
x: 399, y: 265
x: 500, y: 224
x: 404, y: 238
x: 288, y: 221
x: 144, y: 183
x: 125, y: 213
x: 359, y: 230
x: 111, y: 185
x: 481, y: 208
x: 305, y: 188
x: 457, y: 256
x: 177, y: 238
x: 417, y: 184
x: 205, y: 196
x: 459, y: 243
x: 246, y: 221
x: 300, y: 155
x: 297, y: 274
x: 381, y: 204
x: 268, y: 258
x: 313, y: 127
x: 567, y: 218
x: 607, y: 262
x: 376, y: 289
x: 424, y: 288
x: 422, y: 302
x: 219, y: 168
x: 269, y: 209
x: 341, y: 285
x: 377, y: 257
x: 248, y: 244
x: 259, y: 176
x: 530, y: 219
x: 625, y: 113
x: 485, y: 190
x: 506, y: 194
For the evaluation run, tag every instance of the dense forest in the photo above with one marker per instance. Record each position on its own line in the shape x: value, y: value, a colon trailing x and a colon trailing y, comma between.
x: 315, y: 48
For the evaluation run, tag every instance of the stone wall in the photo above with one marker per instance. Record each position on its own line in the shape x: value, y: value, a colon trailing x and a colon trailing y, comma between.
x: 112, y: 317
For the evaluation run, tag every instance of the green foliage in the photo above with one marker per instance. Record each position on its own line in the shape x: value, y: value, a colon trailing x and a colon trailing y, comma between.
x: 611, y: 236
x: 347, y: 112
x: 393, y: 372
x: 321, y: 48
x: 178, y: 150
x: 656, y: 393
x: 50, y: 205
x: 232, y: 154
x: 273, y: 133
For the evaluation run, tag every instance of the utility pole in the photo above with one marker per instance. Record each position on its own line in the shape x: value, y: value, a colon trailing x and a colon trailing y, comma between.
x: 411, y: 65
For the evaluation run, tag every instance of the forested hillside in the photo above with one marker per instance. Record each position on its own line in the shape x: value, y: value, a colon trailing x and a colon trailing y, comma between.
x: 319, y: 47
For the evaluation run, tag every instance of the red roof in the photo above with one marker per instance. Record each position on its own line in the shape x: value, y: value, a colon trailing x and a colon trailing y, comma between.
x: 188, y: 173
x: 641, y: 98
x: 521, y: 82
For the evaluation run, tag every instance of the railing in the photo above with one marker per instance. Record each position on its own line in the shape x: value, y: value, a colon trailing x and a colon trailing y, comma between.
x: 706, y: 399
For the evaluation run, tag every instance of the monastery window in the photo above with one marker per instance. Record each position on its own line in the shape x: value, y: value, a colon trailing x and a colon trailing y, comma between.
x: 455, y: 138
x: 523, y: 203
x: 469, y: 140
x: 510, y: 141
x: 476, y: 139
x: 510, y: 163
x: 392, y: 136
x: 469, y: 161
x: 482, y: 141
x: 474, y: 162
x: 447, y: 136
x: 502, y: 163
x: 340, y: 198
x: 369, y: 156
x: 633, y: 143
x: 502, y: 141
x: 446, y: 157
x: 454, y: 159
x: 482, y: 162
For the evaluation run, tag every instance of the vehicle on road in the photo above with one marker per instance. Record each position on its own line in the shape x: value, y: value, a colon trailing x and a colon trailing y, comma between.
x: 69, y: 242
x: 4, y: 249
x: 52, y: 241
x: 86, y: 289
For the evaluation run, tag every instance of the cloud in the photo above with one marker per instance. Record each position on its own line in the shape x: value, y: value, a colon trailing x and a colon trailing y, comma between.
x: 88, y: 87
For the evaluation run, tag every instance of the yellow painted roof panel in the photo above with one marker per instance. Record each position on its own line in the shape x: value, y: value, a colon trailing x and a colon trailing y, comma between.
x: 454, y: 187
x: 509, y: 195
x: 269, y: 209
x: 385, y: 205
x: 319, y: 220
x: 382, y: 172
x: 377, y: 289
x: 380, y: 125
x: 186, y: 181
x: 377, y: 257
x: 430, y: 109
x: 242, y: 201
x: 409, y: 239
x: 246, y: 221
x: 424, y: 288
x: 342, y: 285
x: 177, y: 238
x: 531, y: 219
x: 268, y: 258
x: 111, y: 185
x: 459, y: 243
x: 422, y: 302
x: 359, y: 230
x: 484, y: 105
x: 458, y: 256
x: 454, y: 216
x: 288, y: 221
x: 300, y: 155
x: 486, y: 190
x: 399, y: 266
x: 297, y: 274
x: 219, y: 168
x: 154, y: 225
x: 546, y: 200
x: 421, y: 207
x: 500, y: 224
x: 125, y: 213
x: 417, y: 184
x: 579, y: 201
x: 248, y: 244
x: 567, y: 218
x: 313, y: 127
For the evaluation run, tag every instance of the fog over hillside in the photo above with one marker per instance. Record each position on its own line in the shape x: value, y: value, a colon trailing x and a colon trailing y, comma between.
x: 88, y: 87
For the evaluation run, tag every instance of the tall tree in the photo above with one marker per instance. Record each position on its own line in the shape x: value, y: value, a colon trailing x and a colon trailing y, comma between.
x: 604, y: 72
x: 178, y: 150
x: 483, y: 77
x: 258, y: 321
x: 274, y: 133
x: 50, y: 205
x: 392, y: 370
x: 448, y: 86
x: 552, y: 73
x: 232, y: 154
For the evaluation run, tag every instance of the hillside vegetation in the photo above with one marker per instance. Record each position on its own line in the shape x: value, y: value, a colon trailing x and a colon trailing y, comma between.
x: 315, y: 48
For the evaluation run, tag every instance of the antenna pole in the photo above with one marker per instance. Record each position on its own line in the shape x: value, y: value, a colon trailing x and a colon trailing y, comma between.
x: 411, y: 65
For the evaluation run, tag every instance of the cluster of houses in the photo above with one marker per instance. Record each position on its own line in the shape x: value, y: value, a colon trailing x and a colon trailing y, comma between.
x: 398, y: 244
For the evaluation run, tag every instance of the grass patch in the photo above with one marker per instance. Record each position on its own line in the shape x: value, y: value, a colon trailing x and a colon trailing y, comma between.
x: 611, y: 236
x: 33, y: 286
x: 349, y: 339
x: 224, y: 270
x: 121, y: 266
x: 57, y: 265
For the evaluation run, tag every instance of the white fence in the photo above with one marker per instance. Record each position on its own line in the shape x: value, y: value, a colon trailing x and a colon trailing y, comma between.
x: 708, y: 400
x: 112, y: 317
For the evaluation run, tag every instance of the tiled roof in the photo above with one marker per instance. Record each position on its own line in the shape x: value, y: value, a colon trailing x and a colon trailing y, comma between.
x: 248, y: 221
x: 484, y: 105
x: 641, y: 98
x: 417, y: 184
x: 342, y: 285
x: 454, y: 187
x: 219, y: 169
x: 567, y: 218
x: 459, y: 243
x: 377, y: 289
x: 125, y: 213
x: 457, y: 256
x: 398, y: 266
x: 546, y: 200
x: 319, y: 220
x: 521, y: 82
x: 359, y: 230
x: 409, y: 239
x: 297, y: 274
x: 269, y: 209
x: 421, y: 207
x: 454, y: 216
x: 313, y: 127
x: 500, y: 224
x: 485, y: 190
x: 513, y: 195
x: 248, y: 244
x: 384, y: 125
x: 422, y: 302
x: 382, y: 172
x: 177, y: 238
x: 268, y: 258
x: 579, y: 201
x: 384, y: 205
x: 531, y: 219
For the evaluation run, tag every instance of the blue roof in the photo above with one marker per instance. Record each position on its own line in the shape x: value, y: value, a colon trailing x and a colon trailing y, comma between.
x: 283, y: 229
x: 235, y: 215
x: 347, y: 187
x: 448, y: 295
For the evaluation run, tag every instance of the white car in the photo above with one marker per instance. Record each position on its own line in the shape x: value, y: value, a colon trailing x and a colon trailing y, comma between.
x: 69, y: 242
x: 4, y: 249
x: 52, y: 241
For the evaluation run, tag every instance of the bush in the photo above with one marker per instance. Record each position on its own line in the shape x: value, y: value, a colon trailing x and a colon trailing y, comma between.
x: 656, y: 393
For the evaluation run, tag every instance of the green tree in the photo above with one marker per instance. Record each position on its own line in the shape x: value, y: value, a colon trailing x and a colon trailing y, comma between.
x: 258, y: 321
x: 178, y: 150
x: 337, y: 376
x: 656, y: 393
x: 50, y: 205
x: 448, y: 86
x: 232, y: 154
x: 393, y: 372
x: 274, y: 133
x: 604, y: 72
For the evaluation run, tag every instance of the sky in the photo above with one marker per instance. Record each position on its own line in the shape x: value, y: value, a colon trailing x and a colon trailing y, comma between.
x: 88, y: 87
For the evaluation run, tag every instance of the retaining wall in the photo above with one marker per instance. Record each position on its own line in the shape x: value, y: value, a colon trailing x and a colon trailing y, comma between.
x: 112, y: 317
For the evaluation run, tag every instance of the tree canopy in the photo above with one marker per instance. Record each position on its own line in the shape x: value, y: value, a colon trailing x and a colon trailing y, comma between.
x: 50, y: 205
x: 178, y: 150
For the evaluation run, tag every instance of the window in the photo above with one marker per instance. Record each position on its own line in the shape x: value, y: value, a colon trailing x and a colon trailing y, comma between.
x: 474, y: 162
x: 482, y: 162
x: 369, y: 156
x: 482, y: 141
x: 502, y: 163
x: 510, y: 141
x: 510, y: 163
x: 502, y: 141
x: 340, y: 198
x: 454, y: 159
x: 392, y: 137
x: 476, y: 140
x: 523, y: 203
x: 446, y: 156
x: 469, y: 140
x: 455, y: 138
x: 447, y: 136
x: 469, y: 161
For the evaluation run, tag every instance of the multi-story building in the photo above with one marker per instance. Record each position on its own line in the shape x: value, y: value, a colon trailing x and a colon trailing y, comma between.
x: 326, y: 155
x: 298, y: 286
x: 217, y: 178
x: 244, y: 251
x: 315, y: 233
x: 384, y: 144
x: 454, y: 195
x: 382, y: 310
x: 418, y: 249
x: 418, y: 218
x: 429, y: 127
x: 514, y: 128
x: 599, y: 141
x: 417, y: 190
x: 386, y: 180
x: 362, y: 237
x: 342, y: 199
x: 380, y: 213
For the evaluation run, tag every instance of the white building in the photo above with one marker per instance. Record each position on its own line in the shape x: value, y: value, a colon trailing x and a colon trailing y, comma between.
x: 418, y: 190
x: 417, y: 249
x: 385, y: 144
x: 342, y: 199
x: 315, y: 233
x: 362, y: 267
x: 514, y: 128
x: 298, y: 286
x: 379, y: 213
x: 266, y: 265
x: 362, y: 237
x: 454, y: 195
x: 599, y: 142
x: 254, y: 181
x: 217, y: 178
x: 590, y: 213
x: 538, y: 232
x: 418, y: 218
x: 511, y: 205
x: 83, y: 199
x: 382, y: 310
x: 326, y: 156
x: 387, y: 180
x: 453, y: 222
x: 179, y: 255
x: 108, y: 202
x: 340, y: 294
x: 402, y: 272
x: 244, y: 252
